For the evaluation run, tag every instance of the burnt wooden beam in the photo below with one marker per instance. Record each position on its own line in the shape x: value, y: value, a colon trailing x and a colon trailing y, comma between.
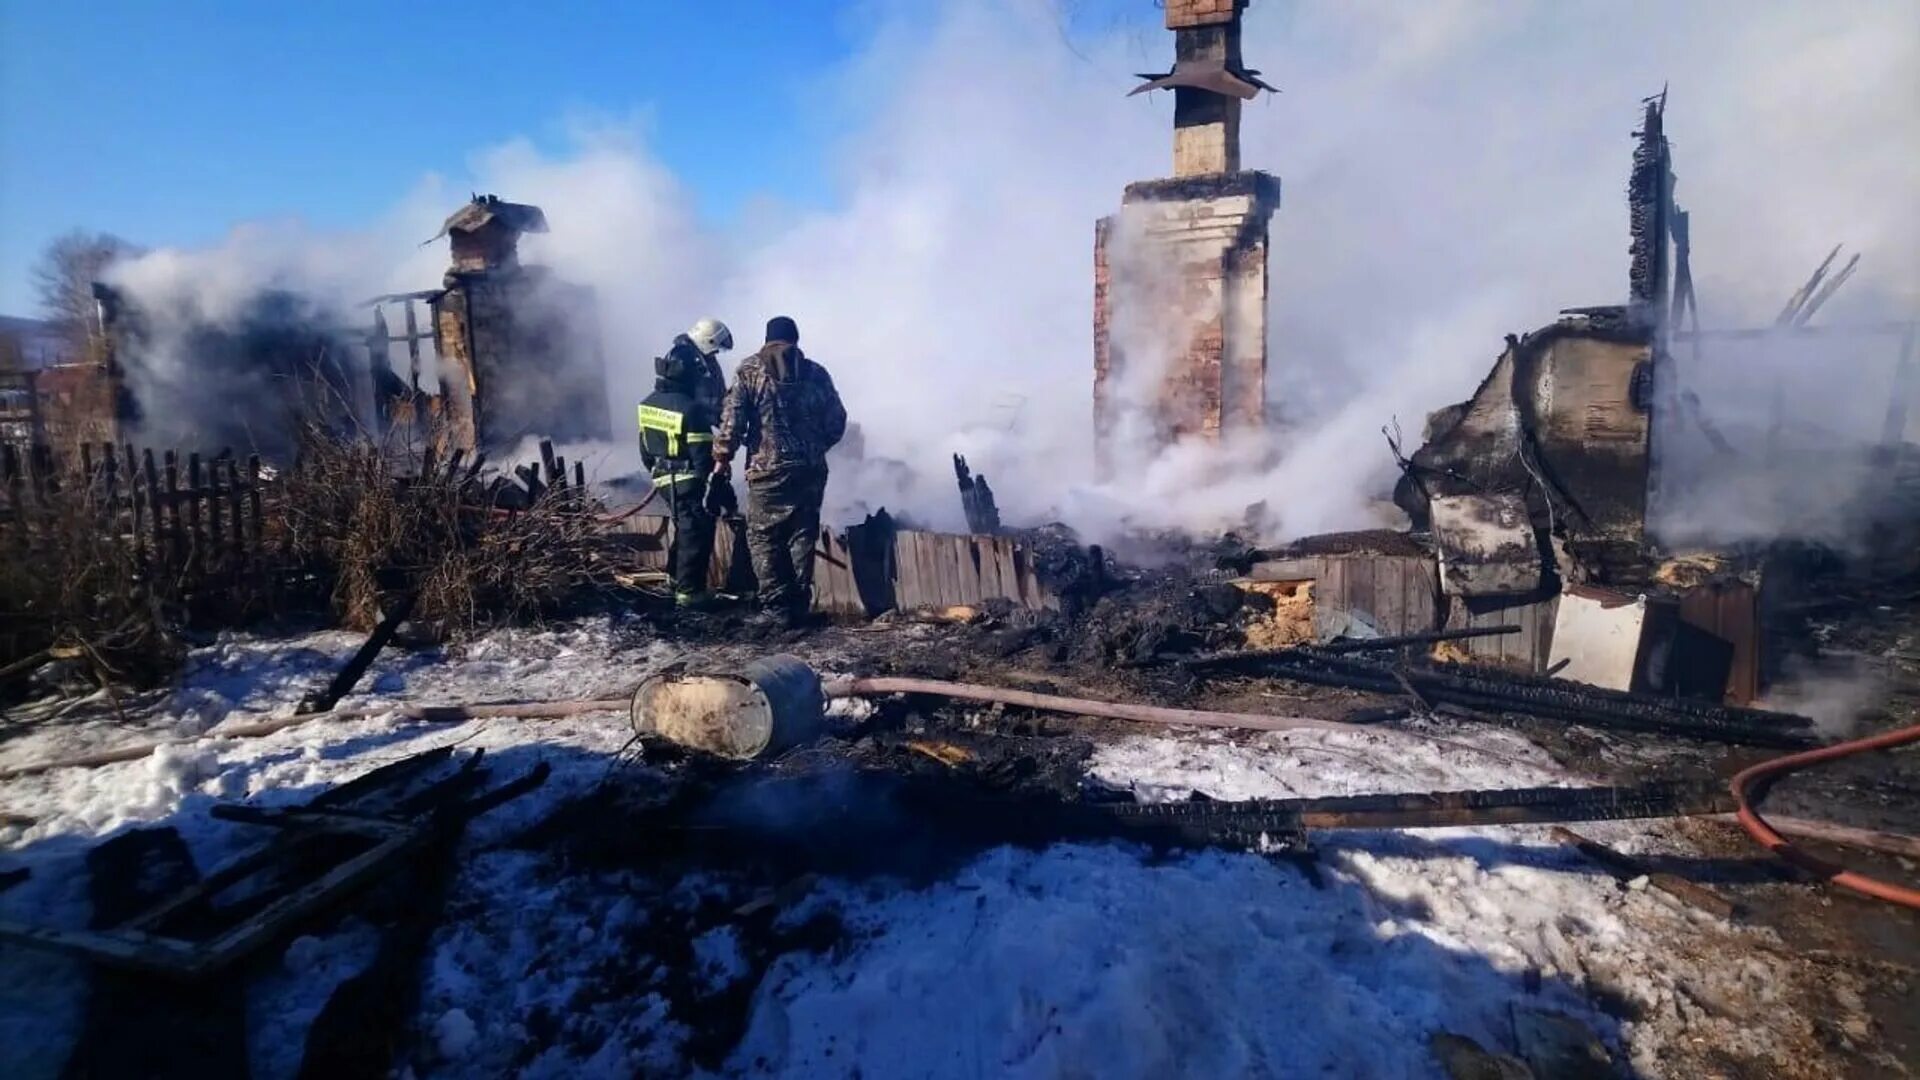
x: 530, y: 477
x: 1443, y: 809
x: 356, y: 666
x: 549, y: 462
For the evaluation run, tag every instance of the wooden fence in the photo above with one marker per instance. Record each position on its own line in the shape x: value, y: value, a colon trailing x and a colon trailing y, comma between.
x: 197, y: 517
x: 176, y: 511
x: 871, y: 568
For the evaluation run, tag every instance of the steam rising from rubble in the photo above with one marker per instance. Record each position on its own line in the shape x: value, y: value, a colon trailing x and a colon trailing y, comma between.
x: 1835, y: 698
x: 1452, y: 172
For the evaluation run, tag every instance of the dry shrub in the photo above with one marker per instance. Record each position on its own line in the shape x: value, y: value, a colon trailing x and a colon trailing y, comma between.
x: 73, y: 587
x: 352, y: 528
x: 371, y: 535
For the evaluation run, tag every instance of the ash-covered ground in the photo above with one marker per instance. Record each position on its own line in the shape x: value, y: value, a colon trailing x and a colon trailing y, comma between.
x: 897, y: 901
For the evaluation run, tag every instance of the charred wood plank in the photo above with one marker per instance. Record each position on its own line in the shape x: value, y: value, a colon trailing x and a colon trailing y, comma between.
x: 155, y: 504
x: 529, y: 781
x: 195, y: 490
x: 386, y: 776
x: 1445, y: 809
x: 253, y: 499
x: 134, y: 505
x: 176, y: 537
x: 356, y: 666
x: 216, y: 511
x: 110, y: 480
x: 530, y: 477
x: 274, y: 920
x: 234, y: 495
x: 352, y: 793
x: 302, y: 817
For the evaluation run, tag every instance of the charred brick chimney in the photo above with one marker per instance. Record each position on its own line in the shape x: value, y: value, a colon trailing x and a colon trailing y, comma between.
x: 1180, y: 274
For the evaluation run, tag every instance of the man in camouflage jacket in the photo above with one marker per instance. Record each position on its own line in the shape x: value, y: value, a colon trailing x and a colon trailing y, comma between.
x: 784, y: 415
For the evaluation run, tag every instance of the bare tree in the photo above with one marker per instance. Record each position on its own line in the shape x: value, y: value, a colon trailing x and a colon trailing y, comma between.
x: 66, y: 270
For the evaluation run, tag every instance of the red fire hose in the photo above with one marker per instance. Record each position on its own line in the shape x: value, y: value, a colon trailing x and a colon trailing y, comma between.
x: 1763, y: 774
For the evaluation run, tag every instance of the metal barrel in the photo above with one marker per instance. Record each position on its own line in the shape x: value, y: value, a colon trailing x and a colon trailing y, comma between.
x: 771, y: 705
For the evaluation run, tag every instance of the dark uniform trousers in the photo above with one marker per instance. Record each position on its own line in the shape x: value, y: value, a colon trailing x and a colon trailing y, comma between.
x: 783, y: 527
x: 692, y: 550
x: 676, y: 441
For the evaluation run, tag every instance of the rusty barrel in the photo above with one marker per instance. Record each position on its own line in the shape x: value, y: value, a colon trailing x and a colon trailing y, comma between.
x: 771, y: 705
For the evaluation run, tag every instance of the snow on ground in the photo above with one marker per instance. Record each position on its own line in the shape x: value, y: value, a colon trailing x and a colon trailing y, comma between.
x: 239, y: 679
x: 1078, y: 960
x: 1092, y: 961
x: 1308, y: 764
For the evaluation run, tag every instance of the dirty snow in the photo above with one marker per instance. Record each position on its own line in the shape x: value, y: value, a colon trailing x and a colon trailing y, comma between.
x: 1076, y: 960
x: 1309, y: 764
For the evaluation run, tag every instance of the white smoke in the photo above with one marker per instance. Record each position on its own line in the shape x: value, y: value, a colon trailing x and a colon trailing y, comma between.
x: 1451, y: 171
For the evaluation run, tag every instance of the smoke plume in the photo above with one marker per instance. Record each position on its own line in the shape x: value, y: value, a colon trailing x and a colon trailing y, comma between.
x: 1451, y: 171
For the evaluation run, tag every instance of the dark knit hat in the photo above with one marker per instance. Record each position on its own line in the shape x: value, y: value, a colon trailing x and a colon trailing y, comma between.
x: 781, y: 328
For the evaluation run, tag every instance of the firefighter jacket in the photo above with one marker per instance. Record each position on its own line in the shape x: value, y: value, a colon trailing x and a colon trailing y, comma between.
x: 709, y: 384
x: 676, y: 440
x: 782, y: 412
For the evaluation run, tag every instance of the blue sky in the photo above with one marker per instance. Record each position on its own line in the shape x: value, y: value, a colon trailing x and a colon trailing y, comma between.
x: 167, y: 122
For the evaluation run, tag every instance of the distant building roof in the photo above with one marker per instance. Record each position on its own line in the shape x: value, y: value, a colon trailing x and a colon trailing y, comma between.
x: 520, y: 217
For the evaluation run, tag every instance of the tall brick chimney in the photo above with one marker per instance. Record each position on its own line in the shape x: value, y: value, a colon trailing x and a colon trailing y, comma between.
x: 1206, y: 122
x: 1180, y: 274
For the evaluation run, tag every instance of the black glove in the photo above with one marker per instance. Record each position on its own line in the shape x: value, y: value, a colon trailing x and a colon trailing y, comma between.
x: 719, y: 500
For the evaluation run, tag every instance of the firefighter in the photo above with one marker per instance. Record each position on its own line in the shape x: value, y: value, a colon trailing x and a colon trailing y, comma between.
x: 676, y: 445
x: 784, y: 415
x: 699, y: 349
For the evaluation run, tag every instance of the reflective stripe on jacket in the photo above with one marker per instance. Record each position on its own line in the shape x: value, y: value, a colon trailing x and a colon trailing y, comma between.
x: 676, y: 437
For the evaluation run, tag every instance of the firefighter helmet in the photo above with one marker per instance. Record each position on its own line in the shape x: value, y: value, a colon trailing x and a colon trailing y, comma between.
x: 710, y: 336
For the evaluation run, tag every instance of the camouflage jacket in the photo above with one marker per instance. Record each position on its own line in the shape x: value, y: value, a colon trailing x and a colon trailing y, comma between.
x: 781, y: 412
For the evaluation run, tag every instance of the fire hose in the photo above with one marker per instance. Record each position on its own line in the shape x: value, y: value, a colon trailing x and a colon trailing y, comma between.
x: 1750, y: 786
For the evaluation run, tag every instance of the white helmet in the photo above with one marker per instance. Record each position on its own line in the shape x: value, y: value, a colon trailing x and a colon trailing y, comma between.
x: 710, y: 336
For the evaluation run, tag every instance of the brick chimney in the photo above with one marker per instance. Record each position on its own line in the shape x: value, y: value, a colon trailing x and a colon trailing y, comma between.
x: 1206, y: 123
x: 1182, y: 269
